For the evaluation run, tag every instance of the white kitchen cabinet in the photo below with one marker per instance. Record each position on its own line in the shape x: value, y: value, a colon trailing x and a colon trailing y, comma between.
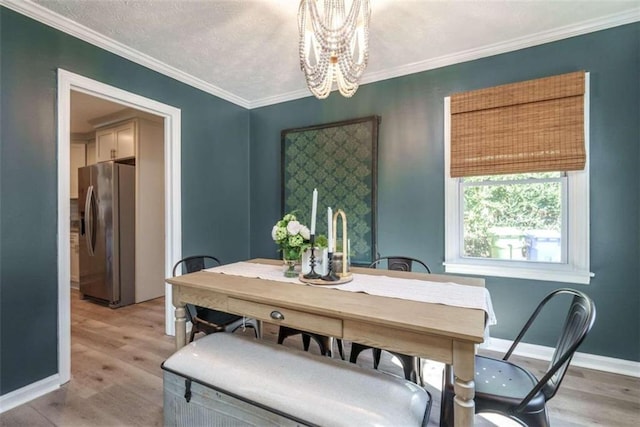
x: 77, y: 160
x: 75, y: 257
x: 116, y: 142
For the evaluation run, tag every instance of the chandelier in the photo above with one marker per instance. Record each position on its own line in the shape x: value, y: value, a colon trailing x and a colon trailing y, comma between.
x: 334, y: 46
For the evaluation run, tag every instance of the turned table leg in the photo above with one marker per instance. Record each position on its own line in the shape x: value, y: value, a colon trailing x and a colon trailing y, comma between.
x: 464, y: 385
x: 181, y: 327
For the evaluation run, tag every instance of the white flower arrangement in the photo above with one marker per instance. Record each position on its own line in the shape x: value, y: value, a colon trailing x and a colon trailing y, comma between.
x: 291, y: 236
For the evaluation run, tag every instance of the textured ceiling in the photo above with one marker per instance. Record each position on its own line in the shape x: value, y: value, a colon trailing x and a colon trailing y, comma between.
x: 247, y: 49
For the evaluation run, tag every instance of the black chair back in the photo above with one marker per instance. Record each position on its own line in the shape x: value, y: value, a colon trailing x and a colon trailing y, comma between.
x: 191, y: 264
x: 194, y: 263
x: 580, y: 318
x: 399, y: 263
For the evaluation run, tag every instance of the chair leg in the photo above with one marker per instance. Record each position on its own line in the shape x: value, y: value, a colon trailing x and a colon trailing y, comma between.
x: 281, y: 336
x: 356, y: 349
x: 306, y: 341
x: 325, y: 344
x: 328, y: 342
x: 252, y: 324
x: 412, y: 368
x: 377, y: 354
x: 192, y: 334
x: 340, y: 349
x: 446, y: 400
x: 534, y: 419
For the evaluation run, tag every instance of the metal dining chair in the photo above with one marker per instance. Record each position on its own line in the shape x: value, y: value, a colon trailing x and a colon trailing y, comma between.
x: 410, y: 365
x: 206, y: 320
x: 511, y: 390
x: 399, y: 263
x: 325, y: 343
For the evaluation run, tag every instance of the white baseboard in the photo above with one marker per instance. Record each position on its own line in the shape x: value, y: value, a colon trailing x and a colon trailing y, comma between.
x: 583, y: 360
x: 29, y: 392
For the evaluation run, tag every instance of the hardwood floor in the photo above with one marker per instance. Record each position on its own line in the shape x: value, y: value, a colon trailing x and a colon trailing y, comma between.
x: 116, y: 378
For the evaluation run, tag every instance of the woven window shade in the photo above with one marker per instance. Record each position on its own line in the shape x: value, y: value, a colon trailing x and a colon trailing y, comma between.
x: 531, y: 126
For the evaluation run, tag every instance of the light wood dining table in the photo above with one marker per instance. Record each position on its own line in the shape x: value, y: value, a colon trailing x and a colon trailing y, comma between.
x: 443, y: 333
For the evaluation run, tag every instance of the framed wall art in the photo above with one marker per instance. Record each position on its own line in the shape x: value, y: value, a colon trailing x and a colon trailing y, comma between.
x: 340, y: 159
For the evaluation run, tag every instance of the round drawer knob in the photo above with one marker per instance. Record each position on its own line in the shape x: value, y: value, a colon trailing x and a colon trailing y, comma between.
x: 276, y: 315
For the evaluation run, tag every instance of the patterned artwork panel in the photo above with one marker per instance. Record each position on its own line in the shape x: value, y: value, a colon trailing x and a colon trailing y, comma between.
x: 340, y: 160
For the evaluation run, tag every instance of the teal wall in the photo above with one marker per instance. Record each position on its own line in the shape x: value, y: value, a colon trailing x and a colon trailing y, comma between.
x: 215, y: 179
x: 410, y: 197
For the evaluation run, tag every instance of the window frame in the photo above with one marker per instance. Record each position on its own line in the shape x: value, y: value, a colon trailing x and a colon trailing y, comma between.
x: 576, y: 268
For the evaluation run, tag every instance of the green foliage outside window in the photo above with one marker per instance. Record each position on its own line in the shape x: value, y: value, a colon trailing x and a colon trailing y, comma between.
x: 507, y: 201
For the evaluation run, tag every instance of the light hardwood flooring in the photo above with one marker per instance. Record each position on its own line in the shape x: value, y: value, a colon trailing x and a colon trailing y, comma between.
x: 116, y: 377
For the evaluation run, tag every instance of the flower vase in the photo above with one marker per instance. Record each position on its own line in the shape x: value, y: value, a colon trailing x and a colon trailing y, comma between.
x: 290, y: 268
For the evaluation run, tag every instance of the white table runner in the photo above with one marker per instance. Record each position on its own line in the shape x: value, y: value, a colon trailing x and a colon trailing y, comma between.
x: 447, y: 293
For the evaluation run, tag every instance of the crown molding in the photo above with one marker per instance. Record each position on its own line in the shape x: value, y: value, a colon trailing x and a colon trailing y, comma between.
x: 66, y: 25
x: 506, y: 46
x: 277, y: 99
x: 52, y: 19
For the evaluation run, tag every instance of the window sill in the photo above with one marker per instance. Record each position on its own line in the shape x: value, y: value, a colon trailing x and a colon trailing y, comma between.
x: 545, y: 272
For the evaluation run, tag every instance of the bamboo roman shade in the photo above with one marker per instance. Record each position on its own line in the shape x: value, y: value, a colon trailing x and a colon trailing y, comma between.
x: 531, y: 126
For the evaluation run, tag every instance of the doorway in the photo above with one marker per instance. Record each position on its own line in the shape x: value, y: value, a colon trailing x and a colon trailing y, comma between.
x: 68, y: 82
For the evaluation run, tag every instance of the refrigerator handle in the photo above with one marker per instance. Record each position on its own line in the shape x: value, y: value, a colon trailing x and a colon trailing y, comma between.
x: 88, y: 209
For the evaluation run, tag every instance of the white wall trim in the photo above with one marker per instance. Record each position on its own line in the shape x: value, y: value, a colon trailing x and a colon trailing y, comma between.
x: 68, y: 81
x: 28, y: 393
x: 506, y: 46
x: 582, y: 360
x: 59, y: 22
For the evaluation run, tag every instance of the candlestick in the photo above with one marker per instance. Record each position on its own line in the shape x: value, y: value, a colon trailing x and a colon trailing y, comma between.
x: 330, y: 229
x: 314, y: 207
x: 312, y: 261
x: 331, y: 275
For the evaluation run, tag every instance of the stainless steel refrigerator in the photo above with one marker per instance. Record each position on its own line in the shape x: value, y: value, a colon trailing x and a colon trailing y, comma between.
x: 106, y: 201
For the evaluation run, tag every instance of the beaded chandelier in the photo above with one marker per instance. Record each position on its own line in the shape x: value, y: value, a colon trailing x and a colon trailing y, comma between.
x: 334, y: 47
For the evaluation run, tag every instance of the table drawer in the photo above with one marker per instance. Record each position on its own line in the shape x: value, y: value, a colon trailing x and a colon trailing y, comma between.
x: 287, y: 317
x: 401, y: 341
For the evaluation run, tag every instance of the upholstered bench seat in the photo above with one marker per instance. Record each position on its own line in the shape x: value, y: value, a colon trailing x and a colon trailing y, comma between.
x: 226, y: 379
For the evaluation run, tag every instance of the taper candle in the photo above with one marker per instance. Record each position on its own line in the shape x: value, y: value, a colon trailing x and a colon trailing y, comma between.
x: 314, y: 207
x: 330, y: 229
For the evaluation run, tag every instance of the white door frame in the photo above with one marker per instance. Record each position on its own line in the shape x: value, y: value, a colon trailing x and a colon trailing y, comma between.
x: 68, y: 81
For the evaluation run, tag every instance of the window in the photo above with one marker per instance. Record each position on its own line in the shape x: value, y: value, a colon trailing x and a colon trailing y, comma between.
x: 514, y: 217
x: 525, y: 225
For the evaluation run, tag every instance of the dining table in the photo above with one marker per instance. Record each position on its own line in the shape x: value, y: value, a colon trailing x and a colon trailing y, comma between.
x: 435, y: 316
